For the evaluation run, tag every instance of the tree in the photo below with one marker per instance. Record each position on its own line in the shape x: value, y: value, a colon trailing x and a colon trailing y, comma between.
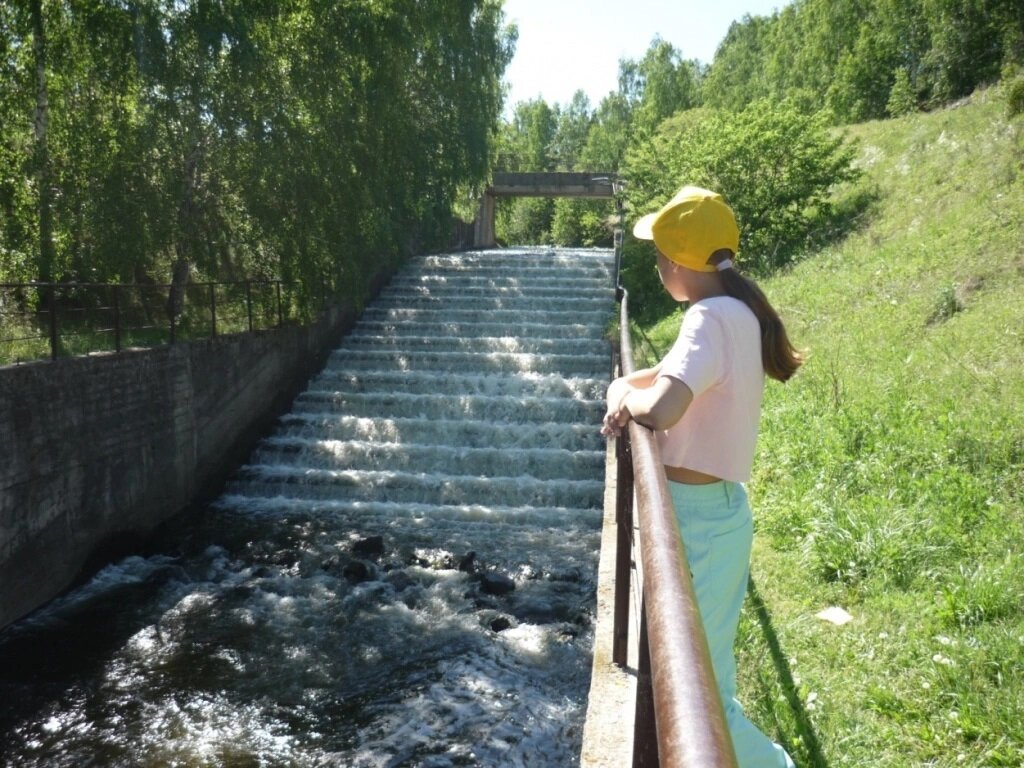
x: 660, y: 84
x: 313, y: 140
x: 41, y: 152
x: 845, y: 54
x: 526, y: 142
x: 901, y: 96
x: 609, y: 135
x: 526, y: 146
x: 970, y: 41
x: 774, y: 165
x: 737, y: 75
x: 572, y: 124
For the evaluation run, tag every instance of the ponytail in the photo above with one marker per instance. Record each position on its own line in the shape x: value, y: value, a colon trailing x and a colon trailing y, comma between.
x: 779, y: 357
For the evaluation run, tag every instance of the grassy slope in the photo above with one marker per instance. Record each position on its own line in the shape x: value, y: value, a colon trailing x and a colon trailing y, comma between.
x: 890, y: 476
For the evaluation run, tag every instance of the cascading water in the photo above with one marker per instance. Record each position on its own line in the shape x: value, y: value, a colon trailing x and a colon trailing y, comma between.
x: 402, y: 575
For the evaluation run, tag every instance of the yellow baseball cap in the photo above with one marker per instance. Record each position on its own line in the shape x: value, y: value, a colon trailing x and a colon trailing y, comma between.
x: 690, y: 227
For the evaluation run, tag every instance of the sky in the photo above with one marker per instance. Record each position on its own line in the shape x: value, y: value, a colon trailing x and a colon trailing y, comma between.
x: 570, y: 45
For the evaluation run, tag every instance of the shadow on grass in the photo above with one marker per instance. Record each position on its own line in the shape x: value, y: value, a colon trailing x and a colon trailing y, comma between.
x: 849, y: 214
x: 804, y: 726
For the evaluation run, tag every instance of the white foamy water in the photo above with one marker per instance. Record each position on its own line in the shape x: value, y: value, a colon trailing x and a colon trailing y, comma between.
x: 402, y: 574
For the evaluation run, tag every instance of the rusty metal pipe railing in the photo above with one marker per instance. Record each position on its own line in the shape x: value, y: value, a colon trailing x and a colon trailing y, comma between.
x: 689, y: 719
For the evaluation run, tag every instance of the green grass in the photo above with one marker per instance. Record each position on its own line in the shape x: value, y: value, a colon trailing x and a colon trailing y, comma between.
x: 890, y: 474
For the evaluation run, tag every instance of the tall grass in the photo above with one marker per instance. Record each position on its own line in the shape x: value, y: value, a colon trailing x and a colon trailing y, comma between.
x: 890, y: 476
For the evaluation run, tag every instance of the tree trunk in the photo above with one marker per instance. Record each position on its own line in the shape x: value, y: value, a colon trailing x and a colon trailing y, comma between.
x: 185, y: 236
x: 47, y: 257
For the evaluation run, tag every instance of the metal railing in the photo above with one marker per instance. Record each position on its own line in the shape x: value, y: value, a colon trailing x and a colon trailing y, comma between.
x: 680, y: 721
x: 40, y: 320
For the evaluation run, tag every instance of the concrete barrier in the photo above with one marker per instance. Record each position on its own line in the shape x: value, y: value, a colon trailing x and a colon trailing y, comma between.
x: 103, y: 448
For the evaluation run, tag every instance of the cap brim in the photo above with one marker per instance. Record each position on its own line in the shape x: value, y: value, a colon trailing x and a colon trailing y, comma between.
x: 644, y: 228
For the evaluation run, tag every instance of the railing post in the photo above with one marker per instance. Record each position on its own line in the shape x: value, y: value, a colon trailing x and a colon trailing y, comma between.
x: 645, y: 731
x: 617, y: 240
x: 248, y: 302
x: 117, y: 318
x: 280, y: 316
x: 172, y: 310
x: 51, y: 293
x: 213, y: 310
x: 623, y: 548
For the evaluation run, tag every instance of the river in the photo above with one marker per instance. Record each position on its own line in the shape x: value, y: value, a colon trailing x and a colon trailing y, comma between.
x: 402, y: 574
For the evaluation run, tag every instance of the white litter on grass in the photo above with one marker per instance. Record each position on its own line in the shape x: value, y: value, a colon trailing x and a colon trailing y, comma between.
x: 835, y: 615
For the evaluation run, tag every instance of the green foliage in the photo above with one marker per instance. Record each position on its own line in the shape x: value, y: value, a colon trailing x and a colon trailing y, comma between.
x: 737, y: 76
x: 984, y: 592
x: 524, y: 220
x: 582, y: 222
x: 890, y: 469
x: 542, y: 138
x: 313, y: 141
x: 846, y: 55
x: 901, y: 97
x: 525, y: 143
x: 660, y: 84
x: 891, y: 466
x: 570, y: 136
x: 1015, y: 97
x: 774, y: 165
x: 609, y: 135
x: 648, y: 300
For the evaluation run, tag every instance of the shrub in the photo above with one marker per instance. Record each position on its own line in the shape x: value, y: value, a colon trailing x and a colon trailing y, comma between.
x: 524, y: 220
x: 1015, y: 97
x: 901, y: 97
x: 582, y: 222
x: 774, y: 165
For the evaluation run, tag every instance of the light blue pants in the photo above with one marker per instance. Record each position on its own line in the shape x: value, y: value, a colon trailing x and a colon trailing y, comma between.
x: 718, y: 531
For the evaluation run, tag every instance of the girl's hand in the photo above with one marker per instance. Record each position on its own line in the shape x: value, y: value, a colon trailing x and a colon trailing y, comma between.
x: 614, y: 421
x: 617, y: 415
x: 657, y: 406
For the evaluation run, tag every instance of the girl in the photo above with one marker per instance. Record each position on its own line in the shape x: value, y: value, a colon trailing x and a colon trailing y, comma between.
x: 704, y: 402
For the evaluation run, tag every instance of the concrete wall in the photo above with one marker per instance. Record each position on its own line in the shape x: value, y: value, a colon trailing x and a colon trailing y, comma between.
x: 105, y: 447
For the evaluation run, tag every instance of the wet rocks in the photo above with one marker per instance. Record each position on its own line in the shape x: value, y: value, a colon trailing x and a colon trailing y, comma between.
x: 500, y: 624
x: 492, y: 583
x: 400, y: 580
x: 356, y: 571
x: 370, y: 546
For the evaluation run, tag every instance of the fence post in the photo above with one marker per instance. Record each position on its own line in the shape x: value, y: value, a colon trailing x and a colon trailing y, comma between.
x: 213, y: 310
x: 645, y: 732
x: 117, y: 318
x: 623, y: 514
x: 248, y: 302
x: 623, y: 548
x: 51, y: 293
x: 171, y: 309
x: 280, y: 316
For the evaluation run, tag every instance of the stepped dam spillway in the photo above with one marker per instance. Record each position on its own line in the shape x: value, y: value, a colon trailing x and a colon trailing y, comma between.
x: 402, y: 573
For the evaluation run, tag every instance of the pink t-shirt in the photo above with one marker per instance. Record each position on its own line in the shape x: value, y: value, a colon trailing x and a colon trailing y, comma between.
x: 718, y: 356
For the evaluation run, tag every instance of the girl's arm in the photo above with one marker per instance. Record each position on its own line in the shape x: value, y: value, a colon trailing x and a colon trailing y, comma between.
x: 637, y: 380
x: 652, y: 402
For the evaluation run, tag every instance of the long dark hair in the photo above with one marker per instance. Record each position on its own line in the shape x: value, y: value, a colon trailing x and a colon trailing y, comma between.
x: 779, y: 357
